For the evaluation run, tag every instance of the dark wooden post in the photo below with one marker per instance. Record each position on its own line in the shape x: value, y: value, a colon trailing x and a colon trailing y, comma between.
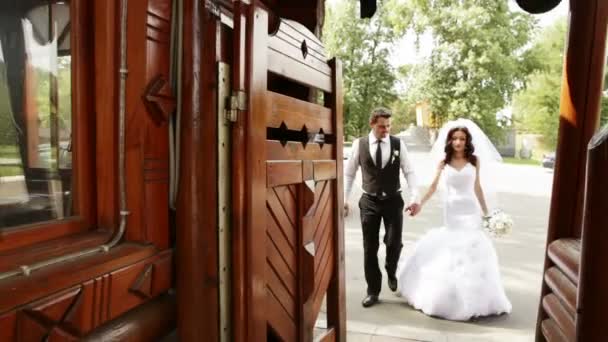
x: 336, y: 300
x: 196, y: 238
x: 255, y: 56
x: 591, y: 319
x: 239, y: 238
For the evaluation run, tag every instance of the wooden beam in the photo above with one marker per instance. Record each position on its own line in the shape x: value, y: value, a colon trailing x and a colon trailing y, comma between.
x: 196, y: 237
x: 566, y: 254
x: 563, y: 288
x: 148, y: 322
x: 559, y: 315
x: 297, y: 113
x: 256, y: 60
x: 336, y: 296
x: 283, y: 172
x: 240, y: 321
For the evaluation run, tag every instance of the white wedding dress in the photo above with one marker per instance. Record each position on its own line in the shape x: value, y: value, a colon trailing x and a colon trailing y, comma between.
x: 452, y: 272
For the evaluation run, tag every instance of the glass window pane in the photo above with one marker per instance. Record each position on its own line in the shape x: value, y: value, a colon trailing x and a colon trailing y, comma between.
x: 35, y: 113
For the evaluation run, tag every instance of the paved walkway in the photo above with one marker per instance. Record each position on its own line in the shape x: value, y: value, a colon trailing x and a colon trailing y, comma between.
x: 352, y: 336
x: 525, y: 195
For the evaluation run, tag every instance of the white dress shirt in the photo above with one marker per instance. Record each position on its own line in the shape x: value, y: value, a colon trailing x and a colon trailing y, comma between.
x: 352, y: 165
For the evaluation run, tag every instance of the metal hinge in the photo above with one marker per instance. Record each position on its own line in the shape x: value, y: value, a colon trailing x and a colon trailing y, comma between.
x: 237, y: 101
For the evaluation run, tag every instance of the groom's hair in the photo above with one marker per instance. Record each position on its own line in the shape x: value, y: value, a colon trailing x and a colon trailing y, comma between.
x: 379, y: 112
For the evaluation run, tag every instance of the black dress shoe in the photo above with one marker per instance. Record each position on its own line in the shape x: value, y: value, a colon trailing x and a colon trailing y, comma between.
x: 369, y: 301
x: 392, y: 283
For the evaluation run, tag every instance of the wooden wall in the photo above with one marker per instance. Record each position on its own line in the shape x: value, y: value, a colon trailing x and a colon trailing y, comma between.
x: 66, y: 301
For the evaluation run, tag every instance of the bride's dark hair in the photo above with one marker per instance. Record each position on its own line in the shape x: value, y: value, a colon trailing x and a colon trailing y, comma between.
x: 469, y: 149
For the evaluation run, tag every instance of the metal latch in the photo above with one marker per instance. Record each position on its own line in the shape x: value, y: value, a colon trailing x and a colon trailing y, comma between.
x: 237, y: 101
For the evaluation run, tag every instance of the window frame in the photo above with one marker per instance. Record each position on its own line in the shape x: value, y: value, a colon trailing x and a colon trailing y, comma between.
x: 84, y: 133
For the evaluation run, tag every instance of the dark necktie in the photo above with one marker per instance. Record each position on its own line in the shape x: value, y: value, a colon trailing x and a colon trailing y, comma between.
x: 379, y: 155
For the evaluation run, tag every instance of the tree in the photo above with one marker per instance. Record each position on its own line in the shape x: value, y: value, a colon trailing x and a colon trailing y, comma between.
x: 536, y: 108
x: 604, y: 104
x: 604, y: 113
x: 363, y: 46
x: 62, y: 77
x: 7, y: 129
x: 404, y: 114
x: 479, y: 57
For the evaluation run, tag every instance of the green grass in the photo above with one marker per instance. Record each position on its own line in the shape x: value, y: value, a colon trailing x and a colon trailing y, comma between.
x: 519, y: 161
x: 9, y: 151
x: 6, y: 171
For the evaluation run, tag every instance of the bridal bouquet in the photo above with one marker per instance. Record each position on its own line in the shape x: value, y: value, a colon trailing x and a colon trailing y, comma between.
x: 498, y: 223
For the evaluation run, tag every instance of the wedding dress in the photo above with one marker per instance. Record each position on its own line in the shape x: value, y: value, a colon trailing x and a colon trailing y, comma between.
x: 452, y: 272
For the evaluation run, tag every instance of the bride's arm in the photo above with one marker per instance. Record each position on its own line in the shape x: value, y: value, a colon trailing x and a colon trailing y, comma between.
x: 433, y: 187
x: 479, y: 192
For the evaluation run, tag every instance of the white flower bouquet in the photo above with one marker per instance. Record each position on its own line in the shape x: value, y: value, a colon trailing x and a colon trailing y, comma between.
x: 498, y: 223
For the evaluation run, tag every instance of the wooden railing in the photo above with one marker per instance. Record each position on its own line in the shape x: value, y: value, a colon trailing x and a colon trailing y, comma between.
x: 562, y: 280
x: 592, y: 299
x: 577, y: 302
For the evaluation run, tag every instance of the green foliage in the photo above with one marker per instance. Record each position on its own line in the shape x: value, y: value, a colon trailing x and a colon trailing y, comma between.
x: 64, y: 94
x: 7, y: 129
x: 604, y: 109
x: 604, y: 104
x: 404, y: 114
x: 9, y: 151
x: 363, y: 46
x: 536, y: 108
x: 6, y: 171
x: 404, y: 108
x: 519, y: 161
x: 478, y: 60
x: 42, y: 90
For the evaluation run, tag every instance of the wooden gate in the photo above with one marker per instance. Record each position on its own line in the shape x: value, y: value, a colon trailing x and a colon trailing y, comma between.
x: 287, y: 183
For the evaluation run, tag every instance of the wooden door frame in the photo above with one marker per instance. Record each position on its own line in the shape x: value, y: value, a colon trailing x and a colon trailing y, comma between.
x: 579, y: 119
x: 253, y: 131
x: 197, y: 218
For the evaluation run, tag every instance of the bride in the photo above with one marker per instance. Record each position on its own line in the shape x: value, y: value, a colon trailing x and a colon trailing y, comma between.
x: 452, y: 271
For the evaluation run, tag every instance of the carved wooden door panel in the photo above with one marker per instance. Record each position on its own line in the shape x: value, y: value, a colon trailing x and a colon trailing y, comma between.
x: 288, y: 215
x: 149, y: 104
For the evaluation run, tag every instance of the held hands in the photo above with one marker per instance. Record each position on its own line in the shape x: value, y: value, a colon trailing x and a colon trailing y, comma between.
x: 414, y: 209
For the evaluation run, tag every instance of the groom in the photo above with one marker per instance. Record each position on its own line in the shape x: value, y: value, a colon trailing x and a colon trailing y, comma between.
x: 380, y: 156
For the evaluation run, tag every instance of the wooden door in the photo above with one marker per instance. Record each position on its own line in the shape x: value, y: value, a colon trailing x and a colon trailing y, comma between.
x: 287, y: 183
